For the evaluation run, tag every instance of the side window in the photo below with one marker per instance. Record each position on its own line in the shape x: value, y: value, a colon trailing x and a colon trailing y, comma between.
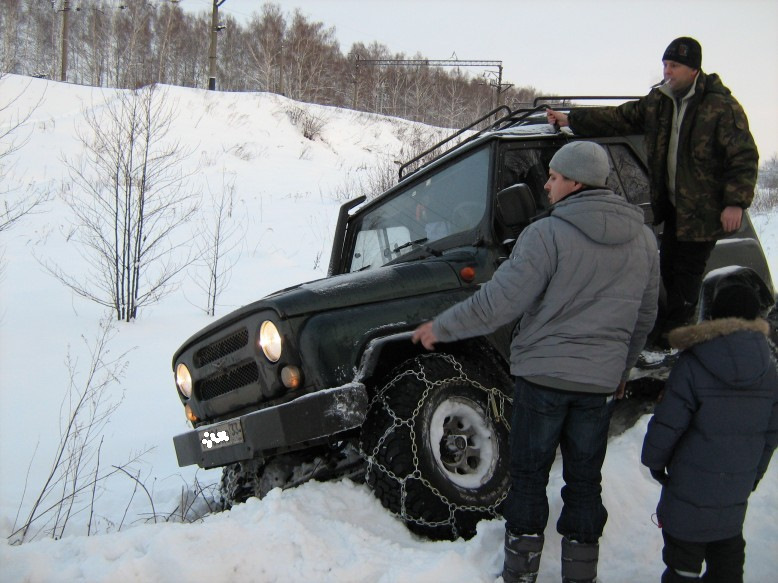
x: 530, y: 165
x: 527, y: 165
x: 629, y: 178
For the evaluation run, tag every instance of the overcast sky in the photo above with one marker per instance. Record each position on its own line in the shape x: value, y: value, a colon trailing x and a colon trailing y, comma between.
x: 575, y: 47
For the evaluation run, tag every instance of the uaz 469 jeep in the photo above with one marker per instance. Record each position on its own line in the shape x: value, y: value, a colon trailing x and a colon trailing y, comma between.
x: 321, y: 380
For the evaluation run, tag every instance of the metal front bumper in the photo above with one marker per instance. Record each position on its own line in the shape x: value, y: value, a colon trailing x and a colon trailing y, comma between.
x: 310, y: 417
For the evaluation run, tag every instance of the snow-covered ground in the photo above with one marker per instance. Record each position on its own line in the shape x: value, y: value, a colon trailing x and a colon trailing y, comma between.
x: 288, y: 189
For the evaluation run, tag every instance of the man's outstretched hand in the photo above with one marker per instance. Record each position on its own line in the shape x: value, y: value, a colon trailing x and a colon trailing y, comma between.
x: 425, y: 335
x: 557, y: 118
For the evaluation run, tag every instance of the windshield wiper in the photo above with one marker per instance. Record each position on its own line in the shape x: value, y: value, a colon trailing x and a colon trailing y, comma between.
x: 418, y: 243
x: 415, y: 243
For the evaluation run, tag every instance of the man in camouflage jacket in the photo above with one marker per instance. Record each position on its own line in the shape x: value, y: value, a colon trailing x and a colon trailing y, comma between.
x: 702, y: 161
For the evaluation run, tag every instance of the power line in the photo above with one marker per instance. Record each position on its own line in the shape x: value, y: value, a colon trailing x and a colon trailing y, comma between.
x: 499, y: 86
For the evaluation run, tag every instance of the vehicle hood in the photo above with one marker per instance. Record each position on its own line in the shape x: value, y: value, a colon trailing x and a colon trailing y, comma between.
x: 375, y: 285
x: 341, y: 291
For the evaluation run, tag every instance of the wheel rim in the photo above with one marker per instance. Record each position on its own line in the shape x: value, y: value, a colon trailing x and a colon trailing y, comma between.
x: 463, y: 442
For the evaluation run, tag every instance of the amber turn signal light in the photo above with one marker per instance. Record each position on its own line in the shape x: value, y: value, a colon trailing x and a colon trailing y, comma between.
x: 467, y: 274
x: 190, y: 414
x: 292, y: 377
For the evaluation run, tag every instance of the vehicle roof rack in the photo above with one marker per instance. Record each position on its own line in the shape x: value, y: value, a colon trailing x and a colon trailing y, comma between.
x: 426, y: 152
x: 569, y: 98
x: 508, y: 119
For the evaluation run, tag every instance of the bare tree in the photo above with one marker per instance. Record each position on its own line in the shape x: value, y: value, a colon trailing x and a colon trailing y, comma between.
x: 310, y: 49
x: 221, y: 234
x: 16, y: 201
x: 88, y: 404
x: 454, y: 104
x: 129, y: 198
x: 264, y: 45
x: 169, y: 23
x: 10, y: 20
x: 135, y: 42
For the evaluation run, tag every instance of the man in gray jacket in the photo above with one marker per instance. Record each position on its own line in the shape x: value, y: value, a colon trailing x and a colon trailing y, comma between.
x: 584, y: 283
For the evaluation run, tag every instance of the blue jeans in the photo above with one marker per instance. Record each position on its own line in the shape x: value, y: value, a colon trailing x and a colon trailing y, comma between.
x: 542, y: 420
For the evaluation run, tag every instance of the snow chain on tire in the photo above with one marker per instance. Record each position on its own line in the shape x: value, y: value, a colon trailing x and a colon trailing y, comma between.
x: 382, y: 405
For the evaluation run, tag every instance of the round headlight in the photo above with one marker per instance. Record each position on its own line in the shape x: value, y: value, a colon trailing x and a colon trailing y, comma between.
x: 184, y: 380
x: 270, y: 341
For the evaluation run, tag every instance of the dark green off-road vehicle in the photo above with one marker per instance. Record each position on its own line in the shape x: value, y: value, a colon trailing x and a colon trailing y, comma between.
x: 321, y: 380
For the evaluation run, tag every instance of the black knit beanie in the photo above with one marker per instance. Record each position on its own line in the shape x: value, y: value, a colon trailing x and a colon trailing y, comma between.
x: 735, y: 301
x: 684, y: 50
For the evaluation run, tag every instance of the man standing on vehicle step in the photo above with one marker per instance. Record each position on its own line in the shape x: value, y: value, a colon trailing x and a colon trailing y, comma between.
x: 583, y: 283
x: 703, y: 165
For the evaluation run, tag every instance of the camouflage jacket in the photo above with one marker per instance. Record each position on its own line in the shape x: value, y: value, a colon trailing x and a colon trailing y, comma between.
x: 717, y: 158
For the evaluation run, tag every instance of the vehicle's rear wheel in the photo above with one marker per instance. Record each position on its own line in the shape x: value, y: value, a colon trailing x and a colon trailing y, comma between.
x: 436, y: 444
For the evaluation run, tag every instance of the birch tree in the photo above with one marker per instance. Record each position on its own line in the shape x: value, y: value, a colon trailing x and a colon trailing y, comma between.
x: 129, y: 195
x: 222, y: 232
x: 16, y: 200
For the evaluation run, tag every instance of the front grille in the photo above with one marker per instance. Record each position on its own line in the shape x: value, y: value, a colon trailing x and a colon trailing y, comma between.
x: 231, y: 380
x: 222, y: 347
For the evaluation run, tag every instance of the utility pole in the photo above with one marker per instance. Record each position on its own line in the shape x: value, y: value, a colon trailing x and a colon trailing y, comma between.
x: 215, y: 28
x: 355, y: 94
x: 499, y: 86
x: 63, y: 76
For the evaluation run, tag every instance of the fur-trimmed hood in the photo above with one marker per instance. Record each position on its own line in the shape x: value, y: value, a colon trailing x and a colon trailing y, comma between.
x: 688, y: 336
x: 732, y: 349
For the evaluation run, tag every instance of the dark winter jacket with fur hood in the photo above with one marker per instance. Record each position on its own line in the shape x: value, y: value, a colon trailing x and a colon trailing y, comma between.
x: 715, y: 429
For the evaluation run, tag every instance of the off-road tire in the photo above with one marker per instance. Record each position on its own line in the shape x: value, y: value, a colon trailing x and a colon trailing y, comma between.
x: 436, y: 439
x: 239, y: 482
x: 242, y: 480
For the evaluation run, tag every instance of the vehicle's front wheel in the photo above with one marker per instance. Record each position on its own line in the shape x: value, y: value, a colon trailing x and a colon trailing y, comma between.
x: 436, y: 444
x: 257, y: 477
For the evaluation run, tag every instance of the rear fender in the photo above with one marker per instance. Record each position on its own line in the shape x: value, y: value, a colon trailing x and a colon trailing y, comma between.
x: 742, y: 249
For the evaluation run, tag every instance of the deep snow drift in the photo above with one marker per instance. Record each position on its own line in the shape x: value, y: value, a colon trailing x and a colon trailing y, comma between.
x: 287, y: 189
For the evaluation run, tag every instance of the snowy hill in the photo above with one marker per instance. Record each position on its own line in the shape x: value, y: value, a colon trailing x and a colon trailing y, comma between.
x: 287, y: 189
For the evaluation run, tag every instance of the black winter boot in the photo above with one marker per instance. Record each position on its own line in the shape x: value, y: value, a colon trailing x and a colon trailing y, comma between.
x: 579, y: 561
x: 673, y: 576
x: 522, y: 557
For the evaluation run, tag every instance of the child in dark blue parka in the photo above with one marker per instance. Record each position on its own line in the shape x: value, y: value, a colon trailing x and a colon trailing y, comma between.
x: 712, y: 436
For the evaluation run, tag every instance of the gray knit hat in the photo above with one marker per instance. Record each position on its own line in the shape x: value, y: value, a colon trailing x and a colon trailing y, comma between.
x: 584, y: 162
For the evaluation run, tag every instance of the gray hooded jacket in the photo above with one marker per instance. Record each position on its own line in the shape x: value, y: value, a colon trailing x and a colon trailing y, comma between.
x: 584, y: 282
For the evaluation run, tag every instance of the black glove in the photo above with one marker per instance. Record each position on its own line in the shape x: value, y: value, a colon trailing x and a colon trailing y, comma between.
x: 659, y: 475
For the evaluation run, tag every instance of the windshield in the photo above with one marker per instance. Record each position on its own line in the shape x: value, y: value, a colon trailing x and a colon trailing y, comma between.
x: 451, y: 201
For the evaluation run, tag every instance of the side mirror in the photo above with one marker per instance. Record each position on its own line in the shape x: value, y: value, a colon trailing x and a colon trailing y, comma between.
x: 515, y: 207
